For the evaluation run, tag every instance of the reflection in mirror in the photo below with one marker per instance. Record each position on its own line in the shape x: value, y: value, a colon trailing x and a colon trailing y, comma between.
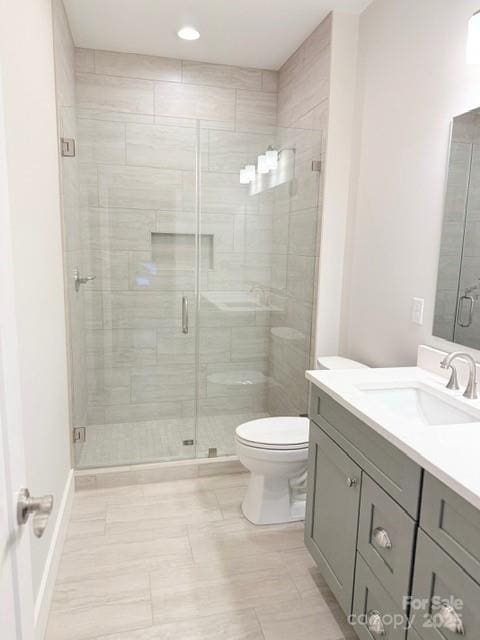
x: 457, y: 308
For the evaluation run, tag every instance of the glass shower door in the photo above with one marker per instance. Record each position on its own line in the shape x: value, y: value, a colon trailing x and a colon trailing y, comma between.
x: 138, y: 207
x: 257, y: 273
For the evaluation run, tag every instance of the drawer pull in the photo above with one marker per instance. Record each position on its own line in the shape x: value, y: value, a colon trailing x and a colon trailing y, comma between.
x: 449, y: 619
x: 381, y: 538
x: 374, y: 623
x: 352, y: 482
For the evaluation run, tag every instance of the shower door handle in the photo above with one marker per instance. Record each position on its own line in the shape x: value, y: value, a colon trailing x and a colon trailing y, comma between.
x: 184, y: 314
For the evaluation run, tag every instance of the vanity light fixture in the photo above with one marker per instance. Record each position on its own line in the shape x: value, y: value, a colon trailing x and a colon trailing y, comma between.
x: 188, y: 33
x: 473, y: 39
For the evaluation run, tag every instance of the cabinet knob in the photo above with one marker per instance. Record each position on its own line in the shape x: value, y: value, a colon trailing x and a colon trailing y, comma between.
x: 374, y: 623
x: 352, y: 482
x: 381, y: 538
x: 449, y: 619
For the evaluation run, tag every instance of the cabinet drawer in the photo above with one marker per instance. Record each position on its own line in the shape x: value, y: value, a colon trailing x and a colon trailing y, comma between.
x: 386, y: 537
x: 392, y: 469
x: 372, y: 604
x: 453, y: 522
x: 448, y: 597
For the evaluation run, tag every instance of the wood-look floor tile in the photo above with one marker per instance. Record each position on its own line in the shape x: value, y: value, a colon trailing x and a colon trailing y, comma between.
x: 218, y: 594
x: 104, y: 558
x: 309, y: 619
x: 195, y: 505
x: 208, y: 542
x: 94, y: 592
x: 83, y: 624
x: 234, y: 625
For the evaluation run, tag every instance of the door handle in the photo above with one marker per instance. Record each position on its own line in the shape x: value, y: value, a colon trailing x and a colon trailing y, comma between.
x: 185, y: 314
x: 78, y: 279
x: 471, y: 303
x: 40, y: 508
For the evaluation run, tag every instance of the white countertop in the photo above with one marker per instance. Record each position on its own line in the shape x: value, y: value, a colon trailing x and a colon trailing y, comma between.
x: 449, y: 452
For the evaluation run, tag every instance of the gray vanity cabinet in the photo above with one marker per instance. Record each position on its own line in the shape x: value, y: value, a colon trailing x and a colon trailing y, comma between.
x: 375, y: 546
x: 332, y: 514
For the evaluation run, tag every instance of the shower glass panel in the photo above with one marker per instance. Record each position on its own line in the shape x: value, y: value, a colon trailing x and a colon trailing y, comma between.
x: 257, y: 280
x: 139, y: 233
x: 200, y: 314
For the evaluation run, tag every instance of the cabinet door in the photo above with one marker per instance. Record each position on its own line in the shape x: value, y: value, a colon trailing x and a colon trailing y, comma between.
x: 332, y: 514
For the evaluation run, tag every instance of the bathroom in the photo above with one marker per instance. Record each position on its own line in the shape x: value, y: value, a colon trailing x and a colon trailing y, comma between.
x: 240, y: 256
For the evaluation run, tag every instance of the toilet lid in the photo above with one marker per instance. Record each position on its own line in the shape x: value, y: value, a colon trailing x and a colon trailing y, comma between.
x: 275, y: 433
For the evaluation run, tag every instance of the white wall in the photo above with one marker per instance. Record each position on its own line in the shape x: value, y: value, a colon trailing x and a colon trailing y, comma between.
x: 26, y: 57
x: 338, y: 164
x: 412, y: 80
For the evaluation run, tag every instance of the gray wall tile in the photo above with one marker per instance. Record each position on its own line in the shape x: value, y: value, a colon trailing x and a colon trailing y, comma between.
x: 131, y: 65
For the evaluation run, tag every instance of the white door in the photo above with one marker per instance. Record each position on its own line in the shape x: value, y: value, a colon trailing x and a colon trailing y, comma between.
x: 16, y: 593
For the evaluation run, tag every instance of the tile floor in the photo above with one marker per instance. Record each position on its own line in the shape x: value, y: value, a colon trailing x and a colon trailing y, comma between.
x: 158, y: 440
x: 177, y: 561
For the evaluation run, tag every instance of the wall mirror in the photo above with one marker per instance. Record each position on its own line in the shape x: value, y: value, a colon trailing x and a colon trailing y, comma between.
x: 457, y: 307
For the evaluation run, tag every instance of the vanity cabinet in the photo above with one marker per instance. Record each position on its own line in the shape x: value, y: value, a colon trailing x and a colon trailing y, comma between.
x: 334, y: 489
x: 381, y: 529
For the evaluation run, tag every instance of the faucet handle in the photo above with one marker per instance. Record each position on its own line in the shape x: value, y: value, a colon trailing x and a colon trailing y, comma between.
x: 453, y: 381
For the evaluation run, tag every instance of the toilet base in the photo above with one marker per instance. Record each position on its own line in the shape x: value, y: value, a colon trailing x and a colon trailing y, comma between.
x: 273, y: 500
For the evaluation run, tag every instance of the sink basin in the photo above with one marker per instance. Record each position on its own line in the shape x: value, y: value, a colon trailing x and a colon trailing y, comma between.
x: 418, y: 406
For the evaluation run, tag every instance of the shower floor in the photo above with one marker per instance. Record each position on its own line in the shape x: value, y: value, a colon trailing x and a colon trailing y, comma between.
x: 158, y: 440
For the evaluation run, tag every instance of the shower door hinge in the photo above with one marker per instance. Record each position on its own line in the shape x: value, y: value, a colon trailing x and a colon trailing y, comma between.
x: 79, y: 434
x: 68, y: 147
x: 316, y: 165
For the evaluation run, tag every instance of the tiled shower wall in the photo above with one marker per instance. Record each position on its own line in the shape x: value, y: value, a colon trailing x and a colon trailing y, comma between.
x: 136, y: 132
x: 304, y: 83
x: 137, y: 137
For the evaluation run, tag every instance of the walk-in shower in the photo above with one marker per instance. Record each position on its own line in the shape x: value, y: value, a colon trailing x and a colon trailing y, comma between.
x: 199, y: 315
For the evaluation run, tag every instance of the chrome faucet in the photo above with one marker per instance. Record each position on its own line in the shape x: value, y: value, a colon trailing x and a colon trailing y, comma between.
x: 471, y: 388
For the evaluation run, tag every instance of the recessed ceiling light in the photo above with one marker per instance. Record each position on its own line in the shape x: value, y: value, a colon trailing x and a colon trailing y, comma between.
x: 188, y: 33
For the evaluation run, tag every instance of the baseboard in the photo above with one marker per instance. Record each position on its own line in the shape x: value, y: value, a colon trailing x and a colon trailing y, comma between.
x: 47, y: 584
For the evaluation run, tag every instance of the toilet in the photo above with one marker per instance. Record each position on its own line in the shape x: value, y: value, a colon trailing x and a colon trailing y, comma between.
x: 275, y: 451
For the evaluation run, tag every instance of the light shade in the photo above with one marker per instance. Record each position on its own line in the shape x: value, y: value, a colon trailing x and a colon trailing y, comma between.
x: 188, y: 33
x: 473, y: 40
x: 272, y: 159
x: 244, y: 177
x: 251, y: 171
x: 262, y: 164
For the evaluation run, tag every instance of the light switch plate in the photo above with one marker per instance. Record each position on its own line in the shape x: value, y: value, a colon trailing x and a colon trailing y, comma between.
x: 417, y: 310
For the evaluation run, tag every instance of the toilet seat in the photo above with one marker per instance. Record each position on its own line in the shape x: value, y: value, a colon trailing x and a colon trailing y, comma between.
x: 281, y: 433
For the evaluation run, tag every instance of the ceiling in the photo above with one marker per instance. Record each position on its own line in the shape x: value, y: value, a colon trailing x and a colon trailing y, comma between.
x: 251, y: 33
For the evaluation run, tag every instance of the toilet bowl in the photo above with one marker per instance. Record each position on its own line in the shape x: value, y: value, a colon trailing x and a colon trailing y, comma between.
x: 275, y: 451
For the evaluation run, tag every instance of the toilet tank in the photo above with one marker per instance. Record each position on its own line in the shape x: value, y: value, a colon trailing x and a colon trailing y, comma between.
x: 337, y: 362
